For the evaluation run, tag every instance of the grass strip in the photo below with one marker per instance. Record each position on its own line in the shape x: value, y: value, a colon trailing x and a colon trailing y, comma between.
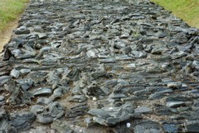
x: 188, y: 10
x: 10, y: 10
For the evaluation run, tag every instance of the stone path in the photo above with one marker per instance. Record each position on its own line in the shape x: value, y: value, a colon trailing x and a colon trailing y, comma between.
x: 100, y: 66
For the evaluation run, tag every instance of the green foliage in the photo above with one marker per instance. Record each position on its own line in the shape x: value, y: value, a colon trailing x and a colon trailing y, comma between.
x: 188, y: 10
x: 10, y: 10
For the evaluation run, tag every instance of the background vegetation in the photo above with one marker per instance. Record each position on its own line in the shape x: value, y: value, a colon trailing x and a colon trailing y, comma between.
x: 10, y: 10
x: 188, y: 10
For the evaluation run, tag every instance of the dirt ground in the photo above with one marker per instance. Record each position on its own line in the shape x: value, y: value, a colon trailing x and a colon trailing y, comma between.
x: 6, y: 34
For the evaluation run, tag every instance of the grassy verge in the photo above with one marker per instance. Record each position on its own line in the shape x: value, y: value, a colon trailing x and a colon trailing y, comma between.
x: 10, y: 10
x: 188, y: 10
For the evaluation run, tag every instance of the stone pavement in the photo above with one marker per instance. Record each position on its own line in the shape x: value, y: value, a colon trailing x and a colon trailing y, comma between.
x: 100, y: 67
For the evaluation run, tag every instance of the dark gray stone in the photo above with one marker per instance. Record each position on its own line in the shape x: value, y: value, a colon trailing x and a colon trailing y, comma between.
x: 36, y: 109
x: 99, y: 113
x: 2, y: 98
x: 110, y: 116
x: 170, y: 128
x: 143, y: 110
x: 77, y: 110
x: 56, y: 110
x: 4, y: 79
x: 78, y: 98
x: 43, y: 91
x: 15, y: 73
x: 22, y: 31
x: 191, y: 128
x: 25, y: 83
x: 22, y: 122
x: 44, y: 101
x: 148, y: 127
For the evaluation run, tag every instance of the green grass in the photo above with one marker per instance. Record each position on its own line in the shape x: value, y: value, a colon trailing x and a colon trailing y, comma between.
x: 188, y: 10
x: 10, y: 10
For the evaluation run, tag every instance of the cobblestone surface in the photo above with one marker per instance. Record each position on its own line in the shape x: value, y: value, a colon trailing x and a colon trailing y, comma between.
x: 100, y: 66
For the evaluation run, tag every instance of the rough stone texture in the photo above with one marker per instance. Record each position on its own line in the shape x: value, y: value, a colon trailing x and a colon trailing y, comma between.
x: 100, y: 66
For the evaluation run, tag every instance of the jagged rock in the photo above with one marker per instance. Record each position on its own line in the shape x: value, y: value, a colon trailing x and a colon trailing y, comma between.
x: 18, y: 95
x: 15, y: 73
x: 25, y: 83
x: 56, y: 110
x: 47, y: 114
x: 77, y: 110
x: 22, y: 122
x: 4, y: 123
x: 109, y: 116
x: 94, y: 90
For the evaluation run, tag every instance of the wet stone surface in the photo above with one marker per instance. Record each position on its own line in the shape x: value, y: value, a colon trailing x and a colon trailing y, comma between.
x: 100, y: 66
